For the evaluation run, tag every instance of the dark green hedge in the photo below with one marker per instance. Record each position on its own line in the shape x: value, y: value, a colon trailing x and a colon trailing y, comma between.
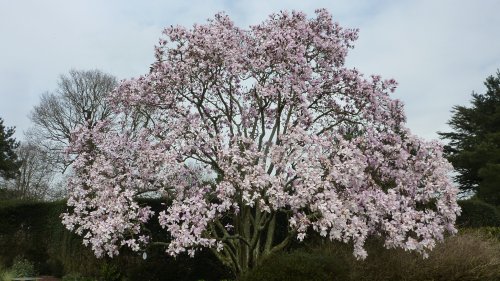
x: 476, y: 213
x: 33, y: 230
x: 300, y: 265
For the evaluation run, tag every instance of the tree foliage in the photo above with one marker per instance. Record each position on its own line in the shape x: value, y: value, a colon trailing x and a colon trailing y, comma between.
x: 474, y: 143
x: 9, y: 163
x: 278, y: 126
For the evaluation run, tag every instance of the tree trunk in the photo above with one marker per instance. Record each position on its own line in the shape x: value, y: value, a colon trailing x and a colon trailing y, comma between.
x: 253, y: 240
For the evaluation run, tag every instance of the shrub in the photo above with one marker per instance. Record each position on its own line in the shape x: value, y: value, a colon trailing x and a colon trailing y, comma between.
x: 472, y: 255
x: 75, y: 277
x: 6, y: 275
x: 491, y: 232
x: 476, y: 213
x: 159, y: 267
x: 468, y: 256
x: 23, y: 268
x: 110, y: 272
x: 34, y: 230
x: 300, y: 265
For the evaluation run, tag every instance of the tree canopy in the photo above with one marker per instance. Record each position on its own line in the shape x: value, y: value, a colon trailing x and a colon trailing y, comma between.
x: 236, y: 127
x: 474, y: 142
x: 9, y: 164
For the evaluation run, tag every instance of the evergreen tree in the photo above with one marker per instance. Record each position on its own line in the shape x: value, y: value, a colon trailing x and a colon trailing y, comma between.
x: 9, y: 164
x: 474, y: 143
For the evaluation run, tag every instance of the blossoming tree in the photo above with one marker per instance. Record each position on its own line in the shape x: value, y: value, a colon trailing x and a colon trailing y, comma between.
x: 277, y: 125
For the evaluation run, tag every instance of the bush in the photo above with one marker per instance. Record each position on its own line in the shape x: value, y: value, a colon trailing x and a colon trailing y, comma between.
x: 110, y: 272
x: 23, y: 268
x: 476, y: 213
x: 489, y: 232
x: 34, y: 230
x: 160, y: 267
x: 6, y: 275
x: 76, y: 277
x: 24, y: 230
x: 472, y: 255
x: 468, y: 256
x: 300, y: 265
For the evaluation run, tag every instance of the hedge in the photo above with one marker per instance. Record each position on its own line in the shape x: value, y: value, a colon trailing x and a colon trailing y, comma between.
x: 33, y: 230
x: 476, y: 213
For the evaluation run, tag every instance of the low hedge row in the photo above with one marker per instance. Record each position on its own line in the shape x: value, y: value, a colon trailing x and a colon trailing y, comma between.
x: 34, y: 231
x: 472, y: 255
x: 476, y: 213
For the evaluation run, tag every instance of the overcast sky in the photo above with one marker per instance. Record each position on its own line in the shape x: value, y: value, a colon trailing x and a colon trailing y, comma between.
x: 438, y: 51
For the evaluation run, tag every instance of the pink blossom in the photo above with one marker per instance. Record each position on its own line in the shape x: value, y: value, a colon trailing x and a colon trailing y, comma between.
x: 236, y: 125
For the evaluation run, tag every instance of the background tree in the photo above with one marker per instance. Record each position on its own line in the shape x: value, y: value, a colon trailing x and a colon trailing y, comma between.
x: 474, y: 143
x: 283, y: 128
x: 9, y: 163
x: 36, y: 174
x: 80, y: 99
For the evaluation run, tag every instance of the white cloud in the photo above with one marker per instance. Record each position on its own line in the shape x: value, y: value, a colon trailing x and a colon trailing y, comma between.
x: 439, y: 51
